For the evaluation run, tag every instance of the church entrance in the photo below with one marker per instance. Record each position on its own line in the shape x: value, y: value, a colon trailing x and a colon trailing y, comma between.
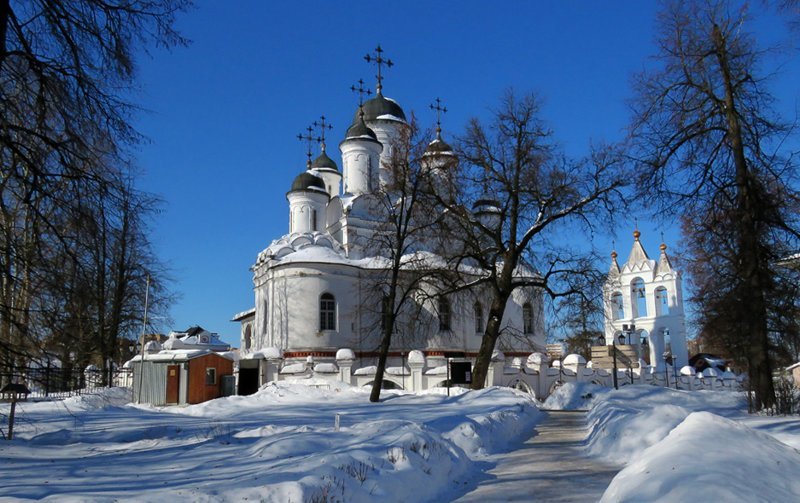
x: 248, y: 381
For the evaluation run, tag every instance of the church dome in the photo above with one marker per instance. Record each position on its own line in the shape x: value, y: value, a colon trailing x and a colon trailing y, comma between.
x: 324, y: 162
x: 381, y: 108
x: 359, y: 130
x: 307, y: 181
x: 438, y: 147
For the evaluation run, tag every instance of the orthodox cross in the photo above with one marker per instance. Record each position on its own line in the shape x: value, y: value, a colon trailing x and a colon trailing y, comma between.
x: 361, y: 90
x: 322, y: 125
x: 439, y: 111
x: 309, y: 139
x: 379, y: 61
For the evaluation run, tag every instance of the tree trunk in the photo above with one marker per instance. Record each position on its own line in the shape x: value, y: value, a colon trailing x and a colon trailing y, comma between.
x: 489, y: 340
x: 751, y: 262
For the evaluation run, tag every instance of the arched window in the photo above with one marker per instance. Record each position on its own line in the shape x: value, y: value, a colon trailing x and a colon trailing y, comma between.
x: 248, y: 338
x: 314, y: 220
x: 444, y: 313
x: 327, y: 312
x: 527, y: 318
x: 478, y: 318
x: 662, y: 301
x: 638, y: 298
x: 617, y: 306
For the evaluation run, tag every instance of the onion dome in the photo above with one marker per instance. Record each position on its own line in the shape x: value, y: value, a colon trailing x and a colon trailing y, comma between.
x: 307, y: 181
x: 324, y: 163
x: 383, y: 108
x: 486, y: 206
x: 360, y: 131
x: 438, y: 147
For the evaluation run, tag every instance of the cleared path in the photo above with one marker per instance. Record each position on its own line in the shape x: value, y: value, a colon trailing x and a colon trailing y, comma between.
x: 550, y: 466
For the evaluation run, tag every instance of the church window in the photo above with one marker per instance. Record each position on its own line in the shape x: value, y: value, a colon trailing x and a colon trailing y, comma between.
x: 662, y: 301
x: 248, y: 338
x: 444, y: 314
x: 478, y: 318
x: 327, y: 312
x: 527, y: 318
x: 638, y: 298
x: 314, y: 220
x: 617, y: 306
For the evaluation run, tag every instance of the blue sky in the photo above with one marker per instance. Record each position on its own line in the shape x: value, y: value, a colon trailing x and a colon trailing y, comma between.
x: 222, y: 115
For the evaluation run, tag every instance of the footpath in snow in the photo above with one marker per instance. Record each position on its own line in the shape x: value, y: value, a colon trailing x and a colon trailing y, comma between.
x: 550, y: 466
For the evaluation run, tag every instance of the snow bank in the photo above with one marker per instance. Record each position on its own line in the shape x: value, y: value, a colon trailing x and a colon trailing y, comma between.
x: 624, y: 422
x: 695, y: 462
x: 573, y: 396
x: 318, y: 441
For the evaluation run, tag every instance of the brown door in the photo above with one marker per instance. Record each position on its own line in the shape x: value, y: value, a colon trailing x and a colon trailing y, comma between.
x: 173, y: 383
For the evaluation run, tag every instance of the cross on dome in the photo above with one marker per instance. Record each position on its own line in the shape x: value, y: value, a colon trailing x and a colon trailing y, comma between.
x: 361, y: 90
x: 322, y: 125
x: 439, y: 111
x: 379, y: 61
x: 309, y: 139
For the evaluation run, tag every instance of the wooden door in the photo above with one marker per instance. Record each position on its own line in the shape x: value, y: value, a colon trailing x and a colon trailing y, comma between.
x: 173, y: 383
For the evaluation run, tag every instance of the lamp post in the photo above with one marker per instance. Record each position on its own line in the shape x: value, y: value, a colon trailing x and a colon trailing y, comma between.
x: 602, y: 341
x: 629, y: 330
x: 667, y: 360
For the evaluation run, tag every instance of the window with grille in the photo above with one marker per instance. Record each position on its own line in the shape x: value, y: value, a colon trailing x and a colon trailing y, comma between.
x: 444, y: 314
x: 527, y: 318
x: 327, y: 312
x: 478, y: 318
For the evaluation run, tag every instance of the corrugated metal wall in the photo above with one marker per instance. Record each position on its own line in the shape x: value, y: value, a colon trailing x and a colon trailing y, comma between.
x: 154, y: 385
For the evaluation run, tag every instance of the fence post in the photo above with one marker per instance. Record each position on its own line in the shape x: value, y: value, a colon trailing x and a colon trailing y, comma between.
x: 47, y: 379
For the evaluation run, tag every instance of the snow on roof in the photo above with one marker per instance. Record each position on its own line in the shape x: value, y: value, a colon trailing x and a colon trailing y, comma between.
x: 243, y: 314
x: 178, y: 355
x: 389, y: 117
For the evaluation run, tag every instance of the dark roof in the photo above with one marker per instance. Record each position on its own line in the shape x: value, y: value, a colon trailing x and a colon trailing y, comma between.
x: 485, y: 202
x: 377, y: 106
x: 324, y: 162
x: 306, y: 180
x: 438, y: 146
x: 193, y: 330
x: 360, y: 130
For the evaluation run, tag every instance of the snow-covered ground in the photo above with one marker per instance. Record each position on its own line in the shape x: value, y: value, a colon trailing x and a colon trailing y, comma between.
x: 280, y: 444
x: 687, y: 445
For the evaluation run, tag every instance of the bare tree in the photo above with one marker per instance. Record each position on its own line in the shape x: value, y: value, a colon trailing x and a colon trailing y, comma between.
x: 518, y: 195
x: 705, y: 137
x: 66, y: 69
x: 406, y: 241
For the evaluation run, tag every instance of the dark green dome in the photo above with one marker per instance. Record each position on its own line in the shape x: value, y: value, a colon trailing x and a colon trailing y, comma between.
x: 438, y: 147
x: 324, y: 162
x: 307, y: 181
x: 381, y: 107
x: 360, y: 130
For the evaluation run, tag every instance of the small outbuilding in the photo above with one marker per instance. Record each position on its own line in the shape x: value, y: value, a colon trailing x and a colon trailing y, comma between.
x: 180, y: 377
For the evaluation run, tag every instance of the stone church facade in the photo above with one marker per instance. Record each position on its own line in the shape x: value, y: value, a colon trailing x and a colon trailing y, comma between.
x: 312, y: 295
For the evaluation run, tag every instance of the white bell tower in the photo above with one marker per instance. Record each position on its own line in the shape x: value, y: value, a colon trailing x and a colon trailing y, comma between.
x: 646, y: 294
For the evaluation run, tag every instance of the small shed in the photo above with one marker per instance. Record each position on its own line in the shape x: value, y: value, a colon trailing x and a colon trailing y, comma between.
x: 180, y: 377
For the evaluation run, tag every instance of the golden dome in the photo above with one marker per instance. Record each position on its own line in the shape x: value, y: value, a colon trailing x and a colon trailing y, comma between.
x: 636, y: 234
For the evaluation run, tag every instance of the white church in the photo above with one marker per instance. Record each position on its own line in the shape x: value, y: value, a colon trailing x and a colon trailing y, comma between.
x: 643, y: 302
x: 312, y: 303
